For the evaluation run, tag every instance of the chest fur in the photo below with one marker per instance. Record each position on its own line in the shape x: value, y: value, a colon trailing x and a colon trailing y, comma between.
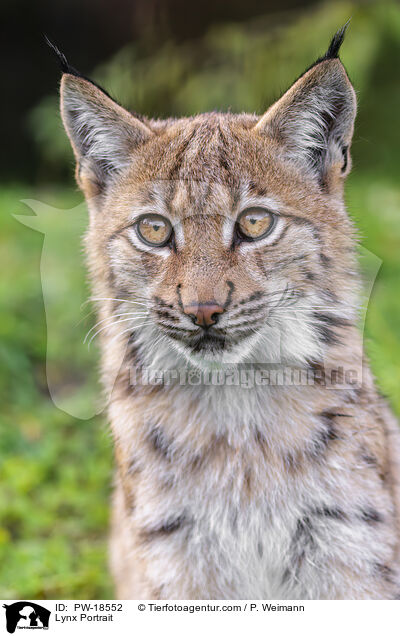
x: 231, y: 542
x: 228, y: 501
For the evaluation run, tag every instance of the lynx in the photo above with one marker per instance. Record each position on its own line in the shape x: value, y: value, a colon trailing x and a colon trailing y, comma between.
x: 219, y: 246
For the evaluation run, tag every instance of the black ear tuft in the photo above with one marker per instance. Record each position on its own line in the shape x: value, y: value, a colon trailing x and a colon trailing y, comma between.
x: 333, y: 50
x: 62, y: 60
x: 67, y: 68
x: 336, y: 43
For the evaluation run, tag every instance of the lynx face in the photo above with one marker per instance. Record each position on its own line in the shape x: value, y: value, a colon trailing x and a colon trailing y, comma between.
x: 221, y: 237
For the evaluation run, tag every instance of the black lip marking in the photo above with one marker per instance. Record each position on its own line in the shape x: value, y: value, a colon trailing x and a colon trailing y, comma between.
x: 209, y: 342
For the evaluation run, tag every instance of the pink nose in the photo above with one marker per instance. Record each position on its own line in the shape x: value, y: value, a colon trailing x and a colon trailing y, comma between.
x: 204, y: 314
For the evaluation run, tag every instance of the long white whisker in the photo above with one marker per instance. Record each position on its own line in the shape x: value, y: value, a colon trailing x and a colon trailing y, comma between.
x: 113, y: 324
x: 128, y: 313
x: 85, y: 317
x: 122, y: 300
x: 129, y: 330
x: 311, y: 309
x: 308, y: 321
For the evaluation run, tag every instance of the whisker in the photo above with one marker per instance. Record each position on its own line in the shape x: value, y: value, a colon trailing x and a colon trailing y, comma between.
x: 304, y: 309
x: 85, y: 317
x: 122, y: 300
x: 130, y: 330
x: 308, y: 321
x: 113, y: 325
x: 129, y: 313
x: 173, y: 328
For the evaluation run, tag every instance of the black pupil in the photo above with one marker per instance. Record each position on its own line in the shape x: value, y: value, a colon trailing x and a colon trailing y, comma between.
x: 253, y: 220
x: 156, y: 227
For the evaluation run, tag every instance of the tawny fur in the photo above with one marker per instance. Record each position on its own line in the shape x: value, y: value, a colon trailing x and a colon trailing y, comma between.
x: 279, y: 492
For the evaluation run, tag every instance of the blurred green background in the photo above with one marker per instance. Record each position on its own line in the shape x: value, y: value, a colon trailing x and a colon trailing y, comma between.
x: 162, y: 59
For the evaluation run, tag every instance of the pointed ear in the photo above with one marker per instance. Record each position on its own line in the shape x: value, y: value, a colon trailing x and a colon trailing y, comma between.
x: 314, y: 119
x: 103, y: 135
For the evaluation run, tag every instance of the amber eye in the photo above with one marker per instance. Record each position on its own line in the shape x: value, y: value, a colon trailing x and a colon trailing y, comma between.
x: 255, y: 223
x: 154, y: 229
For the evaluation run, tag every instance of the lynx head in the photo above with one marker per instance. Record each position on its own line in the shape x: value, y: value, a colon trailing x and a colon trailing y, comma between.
x: 220, y: 236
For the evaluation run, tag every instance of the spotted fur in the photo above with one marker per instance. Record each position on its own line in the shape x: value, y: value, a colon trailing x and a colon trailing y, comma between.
x: 277, y: 490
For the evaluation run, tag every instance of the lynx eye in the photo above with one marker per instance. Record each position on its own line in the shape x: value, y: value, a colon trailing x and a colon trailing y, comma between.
x: 255, y: 223
x: 154, y: 230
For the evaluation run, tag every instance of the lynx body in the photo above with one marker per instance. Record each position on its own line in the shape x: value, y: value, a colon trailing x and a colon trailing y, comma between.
x: 220, y: 243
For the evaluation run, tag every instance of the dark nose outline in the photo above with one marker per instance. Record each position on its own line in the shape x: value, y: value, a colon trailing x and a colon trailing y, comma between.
x: 204, y: 314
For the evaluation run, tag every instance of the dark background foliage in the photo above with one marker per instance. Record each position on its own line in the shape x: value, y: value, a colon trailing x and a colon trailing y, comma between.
x: 91, y: 31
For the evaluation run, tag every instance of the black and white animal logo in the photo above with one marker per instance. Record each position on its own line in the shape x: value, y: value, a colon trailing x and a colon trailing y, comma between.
x: 26, y: 615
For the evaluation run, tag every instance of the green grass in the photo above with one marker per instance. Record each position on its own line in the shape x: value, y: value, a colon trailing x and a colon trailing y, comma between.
x: 375, y: 206
x: 55, y: 469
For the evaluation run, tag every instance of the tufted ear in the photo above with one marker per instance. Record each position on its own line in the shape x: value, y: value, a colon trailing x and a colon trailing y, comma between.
x: 314, y: 119
x: 102, y: 133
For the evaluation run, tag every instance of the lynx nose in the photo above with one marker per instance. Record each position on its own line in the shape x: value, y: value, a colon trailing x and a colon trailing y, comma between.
x: 203, y: 314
